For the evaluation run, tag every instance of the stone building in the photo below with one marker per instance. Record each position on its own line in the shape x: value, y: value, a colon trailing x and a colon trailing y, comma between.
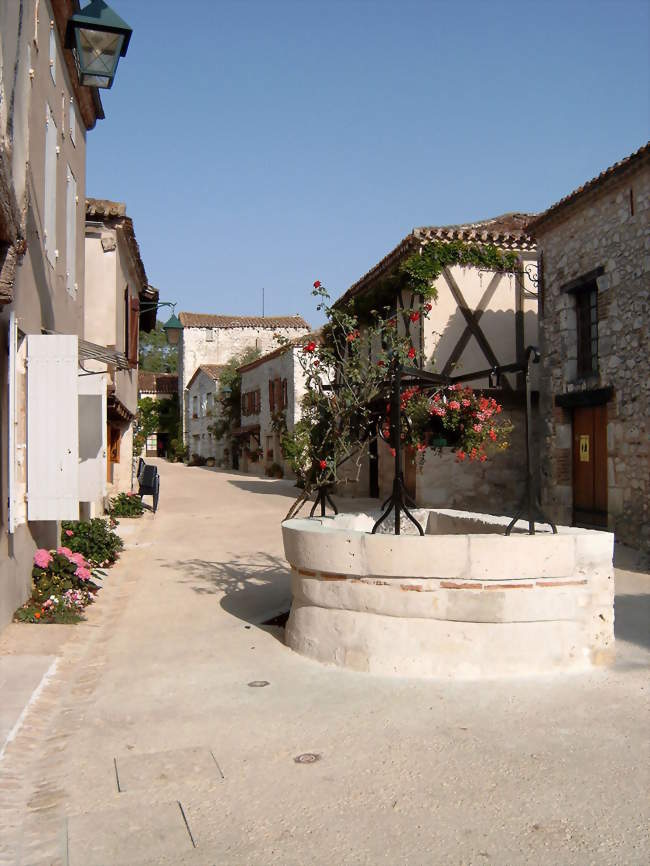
x: 45, y: 115
x: 481, y: 319
x: 595, y: 249
x: 115, y: 287
x: 272, y: 388
x: 203, y: 412
x: 215, y: 339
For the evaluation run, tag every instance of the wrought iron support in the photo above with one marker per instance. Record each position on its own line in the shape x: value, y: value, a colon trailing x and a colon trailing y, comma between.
x: 530, y: 504
x: 399, y: 498
x: 323, y: 498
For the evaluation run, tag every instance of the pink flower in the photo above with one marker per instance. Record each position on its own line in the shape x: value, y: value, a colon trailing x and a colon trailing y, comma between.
x: 42, y: 558
x: 460, y: 455
x: 454, y: 404
x: 439, y: 411
x: 78, y: 559
x: 493, y: 435
x: 478, y: 428
x: 69, y: 533
x: 65, y: 551
x: 465, y: 403
x: 83, y: 573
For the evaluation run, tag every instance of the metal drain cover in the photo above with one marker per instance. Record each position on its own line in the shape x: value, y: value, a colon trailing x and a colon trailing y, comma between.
x: 307, y: 758
x: 259, y: 684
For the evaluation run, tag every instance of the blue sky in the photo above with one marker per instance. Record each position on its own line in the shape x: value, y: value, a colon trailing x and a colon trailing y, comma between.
x: 262, y: 144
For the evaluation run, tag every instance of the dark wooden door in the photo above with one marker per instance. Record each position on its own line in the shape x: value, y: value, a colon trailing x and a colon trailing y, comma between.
x: 590, y: 466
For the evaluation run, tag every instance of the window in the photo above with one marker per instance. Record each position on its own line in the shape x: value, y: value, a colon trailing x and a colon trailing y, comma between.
x: 587, y: 330
x: 71, y: 234
x: 209, y: 402
x: 251, y: 402
x: 52, y: 52
x: 195, y: 406
x: 49, y: 194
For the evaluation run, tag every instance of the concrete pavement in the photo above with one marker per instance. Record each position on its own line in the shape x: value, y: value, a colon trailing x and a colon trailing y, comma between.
x: 148, y: 745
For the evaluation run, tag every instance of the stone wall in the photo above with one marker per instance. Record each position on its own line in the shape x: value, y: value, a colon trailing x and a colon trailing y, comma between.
x: 607, y: 227
x: 217, y: 346
x: 285, y: 365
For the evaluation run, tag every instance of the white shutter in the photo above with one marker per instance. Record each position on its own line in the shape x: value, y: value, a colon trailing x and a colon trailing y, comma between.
x: 72, y: 122
x: 49, y: 196
x: 71, y: 233
x: 11, y: 421
x: 52, y: 427
x: 92, y: 437
x: 52, y: 52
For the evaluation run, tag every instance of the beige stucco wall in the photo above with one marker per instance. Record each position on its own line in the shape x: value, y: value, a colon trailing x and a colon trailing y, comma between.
x: 601, y: 231
x: 40, y: 297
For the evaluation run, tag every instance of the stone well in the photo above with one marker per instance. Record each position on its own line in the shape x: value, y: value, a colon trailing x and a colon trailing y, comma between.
x: 462, y: 601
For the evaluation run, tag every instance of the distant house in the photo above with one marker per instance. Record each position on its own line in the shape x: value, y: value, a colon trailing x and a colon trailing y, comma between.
x: 215, y: 339
x: 595, y: 255
x: 116, y: 284
x: 157, y: 386
x: 203, y: 412
x: 481, y: 319
x: 272, y: 388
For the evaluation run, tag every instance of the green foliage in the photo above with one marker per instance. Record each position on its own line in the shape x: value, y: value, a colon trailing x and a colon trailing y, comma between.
x: 155, y: 416
x: 94, y: 539
x: 274, y: 471
x: 126, y: 505
x: 155, y: 354
x: 423, y: 268
x: 60, y: 613
x: 229, y: 394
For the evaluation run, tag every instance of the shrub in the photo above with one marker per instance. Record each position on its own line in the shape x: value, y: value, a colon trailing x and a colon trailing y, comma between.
x: 198, y: 460
x: 62, y: 586
x: 275, y: 471
x: 93, y: 539
x: 126, y: 505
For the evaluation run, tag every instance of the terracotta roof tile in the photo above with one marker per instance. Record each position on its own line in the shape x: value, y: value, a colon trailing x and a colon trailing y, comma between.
x: 211, y: 370
x: 207, y: 320
x: 157, y: 383
x: 619, y: 168
x: 508, y: 231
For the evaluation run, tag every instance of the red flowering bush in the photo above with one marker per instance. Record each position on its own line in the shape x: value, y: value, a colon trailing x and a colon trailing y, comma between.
x: 349, y: 373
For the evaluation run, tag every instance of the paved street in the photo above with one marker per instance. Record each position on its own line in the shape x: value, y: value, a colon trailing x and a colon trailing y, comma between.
x: 148, y: 745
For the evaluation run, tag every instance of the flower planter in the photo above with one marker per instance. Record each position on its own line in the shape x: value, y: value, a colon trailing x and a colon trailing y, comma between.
x: 462, y: 601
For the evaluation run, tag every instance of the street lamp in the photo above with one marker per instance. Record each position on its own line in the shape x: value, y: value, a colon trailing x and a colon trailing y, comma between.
x: 98, y: 38
x: 172, y: 329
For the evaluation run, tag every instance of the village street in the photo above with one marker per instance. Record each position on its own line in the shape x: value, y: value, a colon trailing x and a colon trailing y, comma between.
x: 149, y: 745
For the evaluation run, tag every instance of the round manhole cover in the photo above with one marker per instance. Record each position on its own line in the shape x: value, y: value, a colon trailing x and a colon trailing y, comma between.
x: 259, y: 684
x: 307, y: 758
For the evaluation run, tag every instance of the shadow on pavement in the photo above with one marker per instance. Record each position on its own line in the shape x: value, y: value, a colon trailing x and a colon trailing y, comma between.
x: 261, y: 485
x: 632, y: 619
x: 254, y: 590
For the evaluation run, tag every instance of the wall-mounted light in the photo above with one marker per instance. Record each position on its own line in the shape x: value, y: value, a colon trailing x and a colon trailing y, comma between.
x: 98, y: 38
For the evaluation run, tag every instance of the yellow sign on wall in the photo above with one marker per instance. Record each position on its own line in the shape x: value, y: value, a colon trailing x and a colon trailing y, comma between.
x: 584, y: 449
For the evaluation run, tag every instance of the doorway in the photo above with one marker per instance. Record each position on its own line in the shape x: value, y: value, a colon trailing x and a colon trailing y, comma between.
x: 590, y: 466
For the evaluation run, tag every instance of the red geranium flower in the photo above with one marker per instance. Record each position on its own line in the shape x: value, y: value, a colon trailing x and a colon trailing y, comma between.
x: 317, y: 284
x: 310, y: 347
x: 380, y: 363
x: 323, y: 464
x: 428, y: 307
x: 414, y: 316
x: 411, y: 352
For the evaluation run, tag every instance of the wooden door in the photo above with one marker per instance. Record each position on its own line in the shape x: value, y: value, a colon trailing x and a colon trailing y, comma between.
x: 590, y: 465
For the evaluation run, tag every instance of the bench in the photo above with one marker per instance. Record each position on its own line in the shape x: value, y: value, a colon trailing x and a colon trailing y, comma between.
x: 148, y: 482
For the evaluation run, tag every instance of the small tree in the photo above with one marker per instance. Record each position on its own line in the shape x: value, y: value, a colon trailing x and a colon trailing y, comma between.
x: 155, y: 354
